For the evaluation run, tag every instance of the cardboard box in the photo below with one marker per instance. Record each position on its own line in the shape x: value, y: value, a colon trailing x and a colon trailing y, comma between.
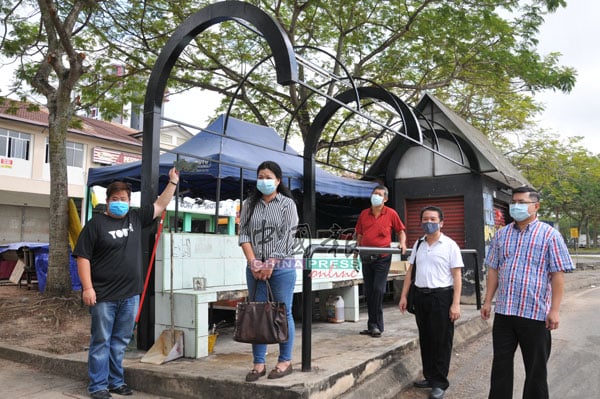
x: 399, y: 266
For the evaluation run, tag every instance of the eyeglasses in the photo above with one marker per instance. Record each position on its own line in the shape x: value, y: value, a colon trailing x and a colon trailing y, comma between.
x: 523, y: 202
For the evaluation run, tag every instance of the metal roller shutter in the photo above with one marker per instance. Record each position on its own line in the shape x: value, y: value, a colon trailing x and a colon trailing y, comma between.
x: 454, y: 218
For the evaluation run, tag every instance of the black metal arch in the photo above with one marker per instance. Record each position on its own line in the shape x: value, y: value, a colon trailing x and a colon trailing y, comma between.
x: 286, y: 69
x: 411, y: 126
x: 281, y: 48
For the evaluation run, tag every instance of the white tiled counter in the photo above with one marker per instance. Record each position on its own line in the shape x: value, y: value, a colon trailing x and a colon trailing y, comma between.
x: 220, y: 260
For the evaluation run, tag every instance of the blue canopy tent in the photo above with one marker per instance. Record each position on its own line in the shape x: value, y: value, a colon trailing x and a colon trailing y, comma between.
x: 228, y: 151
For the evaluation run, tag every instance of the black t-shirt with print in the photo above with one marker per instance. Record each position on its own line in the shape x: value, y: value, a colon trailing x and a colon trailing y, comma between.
x: 114, y: 249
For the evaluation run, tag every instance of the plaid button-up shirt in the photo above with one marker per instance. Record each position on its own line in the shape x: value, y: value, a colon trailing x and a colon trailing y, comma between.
x: 524, y: 260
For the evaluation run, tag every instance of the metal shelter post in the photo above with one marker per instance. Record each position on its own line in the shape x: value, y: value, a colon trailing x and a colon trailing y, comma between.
x: 307, y: 290
x: 287, y: 72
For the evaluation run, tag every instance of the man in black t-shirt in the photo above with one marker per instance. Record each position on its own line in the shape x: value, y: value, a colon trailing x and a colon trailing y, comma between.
x: 109, y: 262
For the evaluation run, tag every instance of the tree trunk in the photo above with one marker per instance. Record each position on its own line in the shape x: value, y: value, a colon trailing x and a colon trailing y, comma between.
x: 58, y: 281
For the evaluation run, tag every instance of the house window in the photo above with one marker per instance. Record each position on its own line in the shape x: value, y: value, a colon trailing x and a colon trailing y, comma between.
x: 166, y: 138
x: 74, y: 154
x: 14, y: 144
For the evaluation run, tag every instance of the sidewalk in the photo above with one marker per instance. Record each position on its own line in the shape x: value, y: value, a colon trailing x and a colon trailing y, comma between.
x: 343, y: 363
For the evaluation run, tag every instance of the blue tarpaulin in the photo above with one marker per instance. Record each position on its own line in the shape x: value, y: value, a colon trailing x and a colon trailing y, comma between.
x: 243, y: 145
x: 40, y: 254
x: 41, y: 269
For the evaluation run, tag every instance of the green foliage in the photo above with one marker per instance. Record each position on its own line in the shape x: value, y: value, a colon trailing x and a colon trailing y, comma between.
x: 567, y: 175
x: 470, y: 54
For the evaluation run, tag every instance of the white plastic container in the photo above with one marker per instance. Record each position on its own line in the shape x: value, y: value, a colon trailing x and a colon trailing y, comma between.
x: 335, y: 309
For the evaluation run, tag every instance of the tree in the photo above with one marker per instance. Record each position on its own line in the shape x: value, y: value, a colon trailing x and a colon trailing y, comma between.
x: 482, y: 63
x: 566, y: 174
x: 50, y: 37
x: 469, y: 54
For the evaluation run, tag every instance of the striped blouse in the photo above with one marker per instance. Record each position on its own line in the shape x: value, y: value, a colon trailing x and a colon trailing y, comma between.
x: 524, y: 260
x: 272, y: 228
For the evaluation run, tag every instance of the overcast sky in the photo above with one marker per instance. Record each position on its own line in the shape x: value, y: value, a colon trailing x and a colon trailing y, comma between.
x: 574, y: 31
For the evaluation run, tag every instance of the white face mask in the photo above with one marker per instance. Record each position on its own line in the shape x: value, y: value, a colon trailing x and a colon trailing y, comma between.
x: 519, y: 212
x: 376, y: 200
x: 266, y: 186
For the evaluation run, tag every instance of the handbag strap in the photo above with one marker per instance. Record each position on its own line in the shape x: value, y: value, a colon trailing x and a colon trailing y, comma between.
x: 413, y: 271
x: 270, y: 297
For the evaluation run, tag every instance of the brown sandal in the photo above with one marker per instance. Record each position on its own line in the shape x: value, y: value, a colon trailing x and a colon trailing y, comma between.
x: 254, y: 374
x: 277, y: 373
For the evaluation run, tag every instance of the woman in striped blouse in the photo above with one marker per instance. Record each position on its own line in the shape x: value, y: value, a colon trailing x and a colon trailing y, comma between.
x: 268, y: 223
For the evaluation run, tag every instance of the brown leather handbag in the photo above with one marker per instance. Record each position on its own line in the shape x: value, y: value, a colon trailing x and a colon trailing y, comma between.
x: 261, y: 322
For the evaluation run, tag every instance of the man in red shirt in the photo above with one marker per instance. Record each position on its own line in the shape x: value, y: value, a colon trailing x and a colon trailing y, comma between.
x: 374, y: 229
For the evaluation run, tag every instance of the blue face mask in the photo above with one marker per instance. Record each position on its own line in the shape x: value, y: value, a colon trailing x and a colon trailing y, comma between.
x: 376, y: 200
x: 266, y: 186
x: 118, y: 208
x: 519, y: 212
x: 430, y: 227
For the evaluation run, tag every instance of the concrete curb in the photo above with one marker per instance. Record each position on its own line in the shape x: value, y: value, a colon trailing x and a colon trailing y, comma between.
x: 64, y: 365
x: 345, y: 365
x: 390, y: 381
x: 386, y: 374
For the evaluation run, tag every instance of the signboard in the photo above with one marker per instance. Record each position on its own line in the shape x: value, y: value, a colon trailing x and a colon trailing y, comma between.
x: 6, y: 163
x: 574, y: 232
x: 113, y: 157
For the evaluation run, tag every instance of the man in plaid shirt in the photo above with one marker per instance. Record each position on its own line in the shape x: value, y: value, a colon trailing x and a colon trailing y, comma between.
x: 526, y: 261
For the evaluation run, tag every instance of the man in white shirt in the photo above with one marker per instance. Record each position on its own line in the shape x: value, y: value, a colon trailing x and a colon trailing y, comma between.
x: 438, y: 283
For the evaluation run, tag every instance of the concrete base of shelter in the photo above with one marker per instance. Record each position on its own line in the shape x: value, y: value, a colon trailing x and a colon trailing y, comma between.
x: 344, y: 364
x: 342, y: 360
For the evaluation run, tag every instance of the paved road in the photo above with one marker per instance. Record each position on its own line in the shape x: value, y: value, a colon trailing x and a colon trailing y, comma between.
x: 573, y: 367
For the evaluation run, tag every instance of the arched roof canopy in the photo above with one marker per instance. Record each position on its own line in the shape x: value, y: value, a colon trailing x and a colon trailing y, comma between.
x: 285, y: 66
x: 412, y: 131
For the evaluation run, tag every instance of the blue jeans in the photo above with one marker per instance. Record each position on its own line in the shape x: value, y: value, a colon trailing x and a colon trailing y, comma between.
x: 282, y: 283
x: 112, y: 328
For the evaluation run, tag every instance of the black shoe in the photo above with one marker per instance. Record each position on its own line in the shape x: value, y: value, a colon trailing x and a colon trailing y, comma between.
x: 421, y: 384
x: 436, y: 393
x: 122, y: 390
x: 365, y: 332
x: 103, y: 394
x: 375, y: 333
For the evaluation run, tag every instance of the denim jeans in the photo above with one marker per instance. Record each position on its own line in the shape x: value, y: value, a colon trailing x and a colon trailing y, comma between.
x: 282, y: 284
x: 112, y: 328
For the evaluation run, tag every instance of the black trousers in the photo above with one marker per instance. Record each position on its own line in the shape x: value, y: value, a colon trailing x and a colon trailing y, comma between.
x: 535, y: 341
x: 436, y: 333
x: 375, y: 283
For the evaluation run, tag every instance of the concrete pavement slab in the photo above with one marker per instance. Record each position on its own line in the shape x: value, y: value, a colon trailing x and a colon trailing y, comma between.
x: 343, y: 362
